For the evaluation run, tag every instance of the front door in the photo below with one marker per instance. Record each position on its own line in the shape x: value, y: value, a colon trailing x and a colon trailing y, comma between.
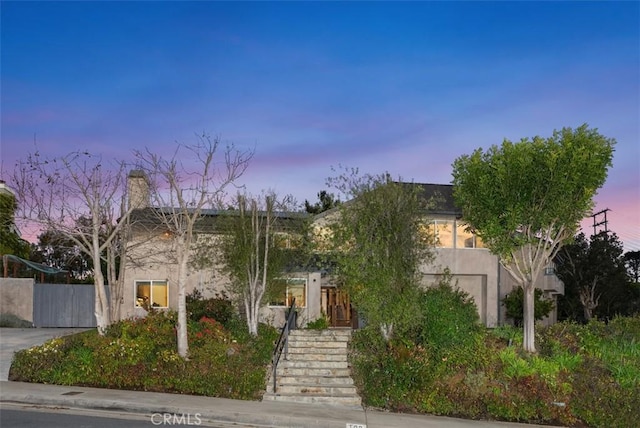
x: 337, y: 305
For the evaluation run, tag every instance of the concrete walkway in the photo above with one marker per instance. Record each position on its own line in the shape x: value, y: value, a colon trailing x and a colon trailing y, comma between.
x: 223, y: 411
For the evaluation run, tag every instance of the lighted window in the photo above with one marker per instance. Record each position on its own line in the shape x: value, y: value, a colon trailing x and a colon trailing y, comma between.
x: 295, y: 288
x: 152, y: 294
x: 466, y: 239
x: 442, y: 231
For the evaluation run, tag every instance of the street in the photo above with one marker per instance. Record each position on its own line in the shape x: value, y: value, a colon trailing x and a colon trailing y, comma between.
x: 26, y: 416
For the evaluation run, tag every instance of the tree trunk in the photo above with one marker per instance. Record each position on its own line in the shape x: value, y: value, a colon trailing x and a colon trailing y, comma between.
x: 387, y: 331
x: 101, y: 306
x: 181, y: 327
x: 529, y: 319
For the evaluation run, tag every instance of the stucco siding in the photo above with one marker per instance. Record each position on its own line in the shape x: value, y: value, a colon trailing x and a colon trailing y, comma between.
x: 16, y: 297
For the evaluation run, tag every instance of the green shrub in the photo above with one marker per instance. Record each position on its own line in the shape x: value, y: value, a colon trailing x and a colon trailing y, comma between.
x: 321, y: 323
x: 600, y: 401
x: 448, y: 323
x: 218, y: 308
x: 514, y: 304
x: 140, y: 354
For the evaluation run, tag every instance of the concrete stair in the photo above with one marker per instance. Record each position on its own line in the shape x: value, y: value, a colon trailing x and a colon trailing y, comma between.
x: 316, y: 370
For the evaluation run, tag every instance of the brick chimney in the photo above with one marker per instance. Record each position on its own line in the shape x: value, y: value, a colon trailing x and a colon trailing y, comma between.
x: 138, y: 188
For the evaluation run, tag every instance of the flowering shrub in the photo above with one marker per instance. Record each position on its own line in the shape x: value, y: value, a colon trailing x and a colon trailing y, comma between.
x: 140, y: 354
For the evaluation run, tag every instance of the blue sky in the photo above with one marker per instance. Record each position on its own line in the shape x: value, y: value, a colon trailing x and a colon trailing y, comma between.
x: 382, y: 86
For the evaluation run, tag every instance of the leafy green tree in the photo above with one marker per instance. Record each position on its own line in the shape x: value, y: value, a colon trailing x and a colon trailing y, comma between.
x: 57, y: 250
x: 326, y: 201
x: 378, y: 248
x: 526, y: 199
x: 10, y: 241
x: 514, y: 304
x: 595, y: 279
x: 632, y: 262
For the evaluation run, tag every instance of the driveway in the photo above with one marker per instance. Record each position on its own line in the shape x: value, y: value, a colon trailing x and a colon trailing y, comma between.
x: 16, y: 339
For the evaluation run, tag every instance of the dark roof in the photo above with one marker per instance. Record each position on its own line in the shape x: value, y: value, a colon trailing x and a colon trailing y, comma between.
x: 438, y: 196
x: 211, y: 220
x: 441, y: 198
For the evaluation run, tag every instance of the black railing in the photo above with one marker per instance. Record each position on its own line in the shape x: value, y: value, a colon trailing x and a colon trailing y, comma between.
x: 283, y: 341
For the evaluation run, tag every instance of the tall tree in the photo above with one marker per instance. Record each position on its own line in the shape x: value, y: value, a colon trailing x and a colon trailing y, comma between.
x: 10, y: 240
x: 58, y: 251
x: 378, y: 247
x: 632, y: 262
x: 326, y: 201
x: 595, y: 279
x: 252, y: 252
x: 56, y: 193
x: 194, y: 178
x: 526, y: 199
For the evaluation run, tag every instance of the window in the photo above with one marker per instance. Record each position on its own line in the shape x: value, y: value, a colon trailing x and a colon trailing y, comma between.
x: 452, y: 234
x: 295, y: 287
x: 465, y: 239
x: 442, y: 231
x: 152, y: 294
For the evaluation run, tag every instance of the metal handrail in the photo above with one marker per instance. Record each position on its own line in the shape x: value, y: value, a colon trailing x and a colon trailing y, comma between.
x: 283, y: 342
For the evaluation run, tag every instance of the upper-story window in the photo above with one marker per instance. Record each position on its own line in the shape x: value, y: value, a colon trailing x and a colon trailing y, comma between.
x: 453, y: 234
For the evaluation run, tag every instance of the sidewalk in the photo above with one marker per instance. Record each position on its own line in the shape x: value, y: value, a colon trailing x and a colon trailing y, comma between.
x: 250, y: 413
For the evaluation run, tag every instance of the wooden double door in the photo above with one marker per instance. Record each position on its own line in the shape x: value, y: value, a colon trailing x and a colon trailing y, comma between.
x: 337, y: 305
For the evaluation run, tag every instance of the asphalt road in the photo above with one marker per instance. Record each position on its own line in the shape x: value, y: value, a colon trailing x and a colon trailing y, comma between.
x: 22, y: 416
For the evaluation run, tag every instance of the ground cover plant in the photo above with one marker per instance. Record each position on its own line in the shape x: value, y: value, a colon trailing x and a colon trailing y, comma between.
x: 141, y: 354
x: 583, y: 375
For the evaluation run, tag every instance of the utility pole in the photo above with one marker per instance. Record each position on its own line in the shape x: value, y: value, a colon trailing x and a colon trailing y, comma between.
x: 604, y: 222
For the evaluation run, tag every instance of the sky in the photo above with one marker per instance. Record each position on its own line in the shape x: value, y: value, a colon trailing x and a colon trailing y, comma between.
x: 398, y: 87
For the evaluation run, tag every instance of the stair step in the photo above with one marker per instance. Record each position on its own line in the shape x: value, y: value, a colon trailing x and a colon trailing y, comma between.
x: 316, y: 380
x: 316, y: 370
x: 314, y: 364
x: 310, y: 371
x: 347, y: 400
x: 305, y: 389
x: 316, y: 350
x: 324, y: 344
x: 316, y: 357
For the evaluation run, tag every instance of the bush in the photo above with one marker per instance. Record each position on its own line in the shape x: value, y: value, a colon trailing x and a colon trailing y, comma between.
x: 449, y: 323
x: 321, y: 323
x: 140, y: 354
x: 514, y: 304
x: 218, y: 308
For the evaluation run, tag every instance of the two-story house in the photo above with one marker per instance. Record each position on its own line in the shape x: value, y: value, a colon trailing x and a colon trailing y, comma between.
x: 150, y: 274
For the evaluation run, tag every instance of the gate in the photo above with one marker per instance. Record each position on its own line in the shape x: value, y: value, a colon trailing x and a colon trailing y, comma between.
x: 63, y: 305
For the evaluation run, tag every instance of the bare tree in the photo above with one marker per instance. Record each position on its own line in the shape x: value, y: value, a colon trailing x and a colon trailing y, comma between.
x: 192, y: 180
x: 251, y: 252
x: 56, y: 193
